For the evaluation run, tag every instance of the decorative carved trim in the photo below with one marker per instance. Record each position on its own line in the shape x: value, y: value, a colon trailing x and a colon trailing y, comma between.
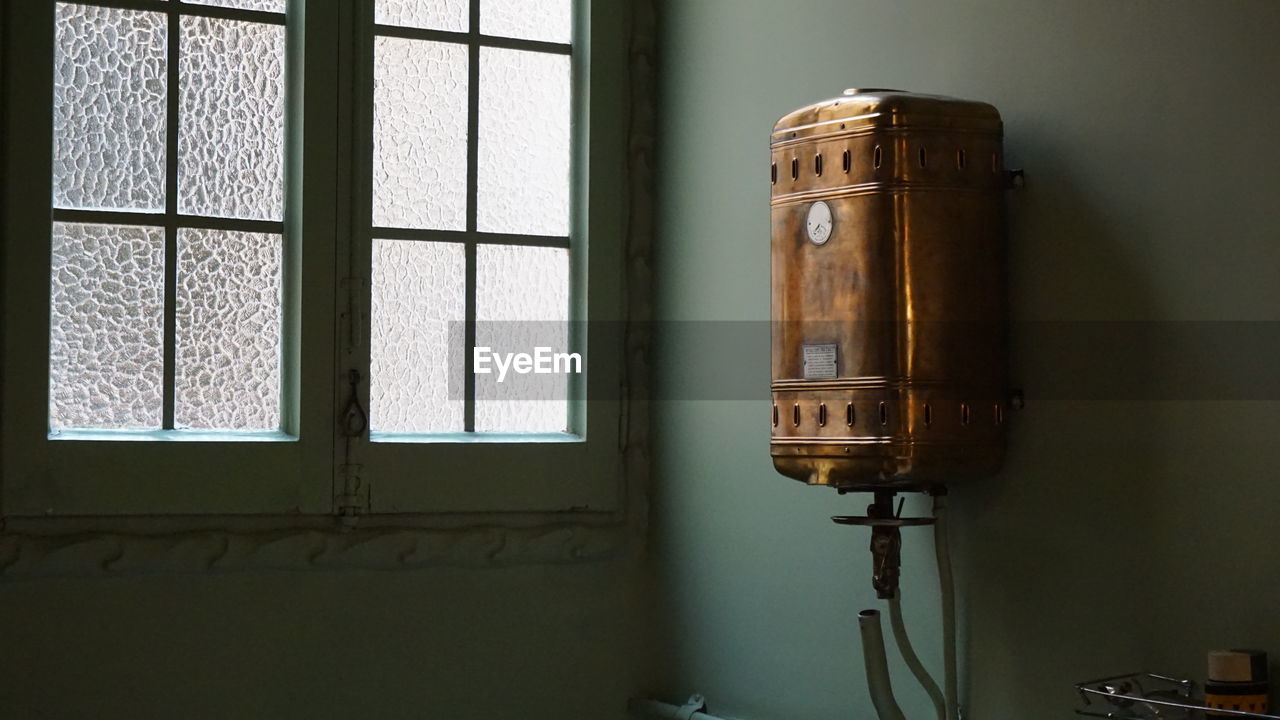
x: 99, y: 553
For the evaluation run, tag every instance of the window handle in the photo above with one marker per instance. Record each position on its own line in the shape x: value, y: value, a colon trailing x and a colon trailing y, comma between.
x: 354, y: 420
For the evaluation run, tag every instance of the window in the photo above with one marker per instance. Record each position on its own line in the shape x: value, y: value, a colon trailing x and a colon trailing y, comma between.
x: 264, y: 247
x: 470, y: 200
x: 168, y: 202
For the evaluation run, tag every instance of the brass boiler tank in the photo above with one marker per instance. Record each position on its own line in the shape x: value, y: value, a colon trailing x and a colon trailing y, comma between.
x: 889, y: 306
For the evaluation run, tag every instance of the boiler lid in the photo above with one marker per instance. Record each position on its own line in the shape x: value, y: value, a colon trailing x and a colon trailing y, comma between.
x: 873, y: 108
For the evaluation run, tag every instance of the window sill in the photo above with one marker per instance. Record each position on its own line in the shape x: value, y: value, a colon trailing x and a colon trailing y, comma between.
x: 482, y: 438
x: 171, y: 436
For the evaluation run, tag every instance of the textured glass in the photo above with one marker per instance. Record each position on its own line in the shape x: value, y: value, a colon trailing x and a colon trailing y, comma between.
x: 276, y: 6
x: 524, y: 143
x: 106, y: 327
x: 231, y: 140
x: 420, y: 134
x: 549, y: 20
x: 108, y: 109
x: 227, y: 374
x: 430, y: 14
x: 522, y: 303
x: 416, y: 366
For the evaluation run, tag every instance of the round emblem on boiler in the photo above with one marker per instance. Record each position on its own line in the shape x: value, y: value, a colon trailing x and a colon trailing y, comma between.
x: 818, y: 224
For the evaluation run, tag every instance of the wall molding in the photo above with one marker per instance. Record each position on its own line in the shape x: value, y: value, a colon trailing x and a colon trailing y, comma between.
x: 97, y: 553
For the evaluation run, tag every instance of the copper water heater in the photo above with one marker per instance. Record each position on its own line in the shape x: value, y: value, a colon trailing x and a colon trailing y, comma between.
x: 889, y: 309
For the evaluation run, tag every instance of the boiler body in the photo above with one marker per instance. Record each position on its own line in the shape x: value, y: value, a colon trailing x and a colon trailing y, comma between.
x: 889, y: 310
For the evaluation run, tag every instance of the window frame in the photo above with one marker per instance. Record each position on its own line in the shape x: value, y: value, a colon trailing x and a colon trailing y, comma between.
x: 312, y: 473
x: 577, y: 471
x: 160, y: 472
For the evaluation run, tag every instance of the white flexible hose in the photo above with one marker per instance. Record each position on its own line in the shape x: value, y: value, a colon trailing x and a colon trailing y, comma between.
x: 946, y: 583
x: 909, y: 656
x: 877, y: 666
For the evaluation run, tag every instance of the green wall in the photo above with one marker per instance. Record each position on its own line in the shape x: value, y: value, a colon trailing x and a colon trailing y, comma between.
x: 546, y: 642
x: 1131, y: 528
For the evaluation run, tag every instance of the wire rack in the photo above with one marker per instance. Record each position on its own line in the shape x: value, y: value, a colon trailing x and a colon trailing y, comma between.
x: 1149, y: 696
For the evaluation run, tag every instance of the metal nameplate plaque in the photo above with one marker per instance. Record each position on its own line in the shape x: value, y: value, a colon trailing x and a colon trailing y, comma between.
x: 819, y: 362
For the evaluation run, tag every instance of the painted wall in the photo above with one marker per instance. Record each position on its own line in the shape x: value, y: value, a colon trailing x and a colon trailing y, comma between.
x: 538, y: 641
x: 555, y: 641
x: 1134, y: 524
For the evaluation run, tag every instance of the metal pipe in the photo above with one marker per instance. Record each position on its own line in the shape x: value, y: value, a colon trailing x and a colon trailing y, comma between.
x: 947, y: 586
x: 877, y: 666
x: 909, y: 656
x: 663, y: 711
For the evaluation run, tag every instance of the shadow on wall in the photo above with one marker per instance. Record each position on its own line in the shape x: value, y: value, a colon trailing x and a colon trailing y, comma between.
x: 1047, y: 552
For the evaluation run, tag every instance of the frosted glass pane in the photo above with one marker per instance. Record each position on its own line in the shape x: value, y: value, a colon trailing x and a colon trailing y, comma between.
x: 416, y: 343
x: 524, y: 143
x: 231, y: 140
x: 430, y: 14
x: 106, y: 327
x: 227, y: 373
x: 550, y: 20
x: 522, y: 303
x: 420, y: 134
x: 267, y: 5
x: 108, y: 109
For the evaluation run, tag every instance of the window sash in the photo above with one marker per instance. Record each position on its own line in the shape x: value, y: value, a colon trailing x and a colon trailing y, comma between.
x: 580, y: 471
x: 470, y: 238
x: 171, y: 221
x: 113, y: 473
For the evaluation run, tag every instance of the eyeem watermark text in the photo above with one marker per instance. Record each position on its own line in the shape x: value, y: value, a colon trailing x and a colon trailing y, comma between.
x: 543, y: 361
